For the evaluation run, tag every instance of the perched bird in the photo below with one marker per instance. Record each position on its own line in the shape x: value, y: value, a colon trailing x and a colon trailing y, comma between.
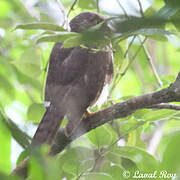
x: 75, y: 80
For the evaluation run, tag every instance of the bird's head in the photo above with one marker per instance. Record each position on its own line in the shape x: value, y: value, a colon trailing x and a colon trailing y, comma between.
x: 84, y: 21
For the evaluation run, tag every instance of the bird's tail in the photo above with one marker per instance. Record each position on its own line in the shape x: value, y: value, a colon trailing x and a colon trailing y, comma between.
x: 48, y: 126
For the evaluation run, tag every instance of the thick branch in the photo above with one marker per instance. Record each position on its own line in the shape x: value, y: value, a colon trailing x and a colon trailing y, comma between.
x: 166, y: 106
x: 119, y: 110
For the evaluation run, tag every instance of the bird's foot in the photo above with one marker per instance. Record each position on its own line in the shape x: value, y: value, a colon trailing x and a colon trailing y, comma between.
x: 71, y: 126
x: 87, y: 113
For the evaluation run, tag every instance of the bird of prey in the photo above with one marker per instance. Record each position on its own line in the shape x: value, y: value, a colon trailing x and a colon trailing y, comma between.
x: 75, y: 80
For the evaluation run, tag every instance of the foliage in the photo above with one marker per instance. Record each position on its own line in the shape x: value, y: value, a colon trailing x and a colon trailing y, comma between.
x: 99, y: 154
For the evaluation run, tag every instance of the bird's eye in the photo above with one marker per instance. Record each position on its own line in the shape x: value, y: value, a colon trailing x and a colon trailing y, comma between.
x: 96, y: 21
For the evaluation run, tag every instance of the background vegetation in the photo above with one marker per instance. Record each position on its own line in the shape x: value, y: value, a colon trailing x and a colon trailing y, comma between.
x: 146, y: 58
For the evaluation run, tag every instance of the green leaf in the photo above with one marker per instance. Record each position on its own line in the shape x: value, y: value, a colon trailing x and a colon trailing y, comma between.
x: 7, y: 177
x: 144, y: 161
x: 135, y: 23
x: 166, y: 12
x: 76, y: 160
x: 40, y: 26
x: 149, y: 12
x: 73, y: 42
x: 92, y: 36
x: 96, y: 39
x: 115, y: 171
x: 36, y: 171
x: 29, y: 63
x: 98, y: 36
x: 21, y: 137
x: 131, y: 141
x: 43, y: 167
x: 131, y: 125
x: 5, y: 150
x: 175, y: 21
x: 101, y: 136
x: 156, y: 115
x: 59, y: 37
x: 173, y: 3
x: 112, y: 159
x: 6, y: 86
x: 171, y: 156
x: 24, y: 154
x: 140, y: 113
x: 87, y: 4
x: 98, y: 175
x: 97, y: 28
x: 154, y: 33
x: 170, y: 11
x: 5, y: 7
x: 36, y: 112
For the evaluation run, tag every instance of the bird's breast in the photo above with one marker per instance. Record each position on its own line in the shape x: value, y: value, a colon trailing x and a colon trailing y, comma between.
x: 95, y: 75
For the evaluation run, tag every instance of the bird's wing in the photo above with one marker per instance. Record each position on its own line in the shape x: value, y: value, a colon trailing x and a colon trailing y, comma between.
x: 74, y: 66
x: 66, y: 64
x: 58, y: 55
x: 54, y: 93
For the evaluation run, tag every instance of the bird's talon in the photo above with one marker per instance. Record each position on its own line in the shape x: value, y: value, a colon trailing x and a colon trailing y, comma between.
x: 87, y: 113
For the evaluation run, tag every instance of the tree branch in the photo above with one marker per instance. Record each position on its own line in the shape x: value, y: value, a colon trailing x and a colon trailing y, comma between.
x: 166, y: 106
x: 120, y: 110
x: 72, y: 7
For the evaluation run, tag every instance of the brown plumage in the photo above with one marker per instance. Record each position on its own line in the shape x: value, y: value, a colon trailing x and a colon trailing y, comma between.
x: 75, y: 80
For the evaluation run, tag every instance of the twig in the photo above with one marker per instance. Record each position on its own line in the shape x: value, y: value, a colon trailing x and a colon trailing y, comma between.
x: 97, y: 2
x: 149, y: 58
x: 140, y: 8
x: 104, y: 151
x: 124, y: 11
x: 123, y: 73
x: 139, y: 71
x: 116, y: 79
x: 62, y: 9
x: 21, y: 169
x: 118, y: 71
x: 144, y: 48
x: 72, y: 7
x: 127, y: 50
x: 166, y: 106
